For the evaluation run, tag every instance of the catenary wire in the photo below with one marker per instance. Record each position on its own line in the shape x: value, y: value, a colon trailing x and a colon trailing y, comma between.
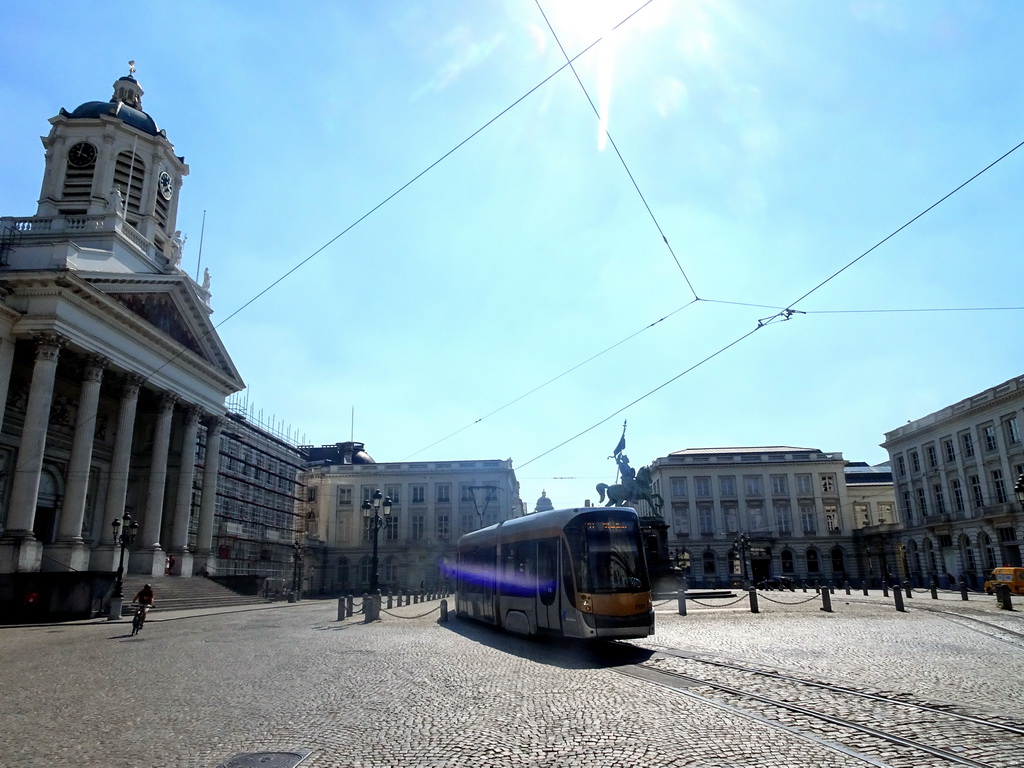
x: 622, y: 160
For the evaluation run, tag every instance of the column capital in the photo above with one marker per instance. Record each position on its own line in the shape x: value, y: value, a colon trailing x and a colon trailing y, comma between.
x: 132, y: 384
x: 48, y: 345
x: 93, y: 367
x: 167, y: 402
x: 213, y: 423
x: 192, y: 413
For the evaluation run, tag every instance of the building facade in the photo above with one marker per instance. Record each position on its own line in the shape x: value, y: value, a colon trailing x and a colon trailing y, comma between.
x: 432, y: 504
x: 954, y: 471
x: 112, y: 377
x: 766, y: 511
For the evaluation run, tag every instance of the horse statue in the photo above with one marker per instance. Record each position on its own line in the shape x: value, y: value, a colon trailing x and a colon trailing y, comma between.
x: 632, y: 489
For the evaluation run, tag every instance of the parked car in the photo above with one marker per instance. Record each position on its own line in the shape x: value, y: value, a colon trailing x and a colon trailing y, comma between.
x: 776, y: 582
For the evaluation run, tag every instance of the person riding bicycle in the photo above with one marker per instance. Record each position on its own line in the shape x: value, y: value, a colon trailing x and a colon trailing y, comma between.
x: 145, y: 600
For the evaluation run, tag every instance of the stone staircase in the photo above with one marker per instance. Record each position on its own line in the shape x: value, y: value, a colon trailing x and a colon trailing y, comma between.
x: 174, y: 593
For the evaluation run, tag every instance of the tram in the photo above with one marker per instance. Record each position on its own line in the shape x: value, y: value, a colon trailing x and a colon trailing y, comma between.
x: 578, y: 573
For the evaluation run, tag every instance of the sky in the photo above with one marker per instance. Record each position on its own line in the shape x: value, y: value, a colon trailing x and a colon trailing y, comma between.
x: 428, y: 232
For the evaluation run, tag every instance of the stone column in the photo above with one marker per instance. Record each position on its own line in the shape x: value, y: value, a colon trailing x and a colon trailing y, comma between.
x: 69, y: 553
x: 211, y: 467
x: 19, y: 550
x: 183, y: 508
x: 105, y: 557
x: 148, y: 553
x: 6, y: 361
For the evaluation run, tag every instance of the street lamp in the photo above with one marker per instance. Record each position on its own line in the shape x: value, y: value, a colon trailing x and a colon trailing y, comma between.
x: 297, y: 569
x: 488, y: 491
x: 125, y: 530
x: 374, y: 522
x: 742, y: 545
x: 1018, y: 489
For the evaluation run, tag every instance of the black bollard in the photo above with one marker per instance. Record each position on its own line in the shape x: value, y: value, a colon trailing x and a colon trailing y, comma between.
x: 846, y: 585
x: 804, y: 584
x: 753, y: 600
x: 444, y: 612
x: 681, y: 596
x: 1003, y: 599
x: 341, y: 609
x: 826, y: 601
x: 864, y: 585
x: 348, y: 606
x: 885, y: 589
x: 963, y: 591
x: 910, y: 589
x: 817, y: 587
x: 897, y: 594
x: 390, y: 599
x: 935, y: 589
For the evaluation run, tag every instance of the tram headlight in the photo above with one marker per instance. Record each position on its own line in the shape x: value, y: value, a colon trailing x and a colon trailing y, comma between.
x: 586, y: 603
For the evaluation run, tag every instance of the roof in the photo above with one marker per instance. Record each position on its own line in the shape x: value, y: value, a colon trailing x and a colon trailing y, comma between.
x: 136, y: 118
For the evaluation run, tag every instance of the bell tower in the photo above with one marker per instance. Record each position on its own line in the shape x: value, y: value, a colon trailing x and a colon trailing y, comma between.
x: 110, y: 169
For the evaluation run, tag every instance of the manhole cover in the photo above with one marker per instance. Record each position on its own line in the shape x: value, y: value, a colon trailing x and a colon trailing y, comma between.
x: 266, y: 760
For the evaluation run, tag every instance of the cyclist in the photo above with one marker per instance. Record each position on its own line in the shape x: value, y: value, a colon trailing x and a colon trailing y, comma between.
x: 145, y: 601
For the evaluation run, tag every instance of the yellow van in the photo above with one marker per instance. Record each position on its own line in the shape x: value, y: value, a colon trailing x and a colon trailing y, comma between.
x: 1011, y: 577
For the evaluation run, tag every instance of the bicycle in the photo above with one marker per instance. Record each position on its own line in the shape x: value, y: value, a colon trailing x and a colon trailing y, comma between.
x: 139, y: 618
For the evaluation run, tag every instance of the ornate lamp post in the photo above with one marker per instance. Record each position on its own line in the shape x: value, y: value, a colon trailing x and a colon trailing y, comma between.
x: 683, y: 564
x: 742, y: 545
x: 374, y: 522
x: 297, y: 569
x: 125, y: 531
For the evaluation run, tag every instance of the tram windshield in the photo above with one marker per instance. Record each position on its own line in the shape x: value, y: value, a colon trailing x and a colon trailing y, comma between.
x: 606, y: 553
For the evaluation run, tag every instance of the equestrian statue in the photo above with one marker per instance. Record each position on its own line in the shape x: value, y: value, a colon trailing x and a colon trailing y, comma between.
x: 635, y: 486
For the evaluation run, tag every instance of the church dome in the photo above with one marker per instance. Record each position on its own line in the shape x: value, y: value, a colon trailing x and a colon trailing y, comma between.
x: 125, y: 105
x: 543, y: 503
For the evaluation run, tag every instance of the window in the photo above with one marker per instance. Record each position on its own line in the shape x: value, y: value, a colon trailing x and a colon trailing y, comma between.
x: 812, y: 561
x: 755, y: 514
x: 442, y: 527
x: 908, y: 509
x: 862, y: 513
x: 709, y: 563
x: 915, y: 462
x: 465, y: 492
x: 395, y: 492
x: 779, y: 485
x: 391, y: 528
x: 958, y: 495
x: 950, y: 450
x: 419, y: 494
x: 417, y: 528
x: 1012, y: 431
x: 680, y: 520
x: 787, y: 562
x: 752, y: 485
x: 933, y: 459
x: 828, y: 483
x: 901, y: 466
x: 727, y: 485
x: 702, y: 487
x: 803, y: 485
x: 968, y: 443
x: 466, y: 521
x: 808, y: 518
x: 977, y: 499
x: 311, y: 493
x: 444, y: 493
x: 885, y: 513
x: 989, y: 434
x: 922, y: 502
x: 784, y: 519
x: 998, y: 489
x: 366, y: 492
x: 706, y: 515
x: 940, y: 499
x: 344, y: 496
x: 832, y: 518
x: 732, y: 523
x: 678, y: 486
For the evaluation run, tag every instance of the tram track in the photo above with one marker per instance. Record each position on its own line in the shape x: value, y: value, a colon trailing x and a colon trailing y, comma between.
x: 887, y: 729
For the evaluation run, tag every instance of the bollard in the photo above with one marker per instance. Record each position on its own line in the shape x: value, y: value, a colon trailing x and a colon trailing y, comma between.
x: 390, y: 598
x: 897, y: 595
x: 826, y: 601
x: 753, y: 600
x: 864, y: 585
x: 1003, y: 599
x: 935, y: 589
x: 885, y: 589
x: 910, y: 589
x: 681, y: 596
x: 817, y: 588
x: 803, y: 583
x: 348, y: 606
x: 963, y: 591
x: 367, y: 609
x: 831, y: 588
x: 444, y: 612
x: 846, y: 585
x: 341, y: 609
x: 416, y: 598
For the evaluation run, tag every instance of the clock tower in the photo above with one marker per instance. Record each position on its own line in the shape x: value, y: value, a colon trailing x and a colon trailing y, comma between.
x: 109, y: 159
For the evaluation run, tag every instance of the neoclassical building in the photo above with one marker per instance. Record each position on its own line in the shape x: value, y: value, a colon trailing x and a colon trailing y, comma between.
x: 112, y: 378
x: 955, y: 472
x: 432, y: 504
x: 801, y: 510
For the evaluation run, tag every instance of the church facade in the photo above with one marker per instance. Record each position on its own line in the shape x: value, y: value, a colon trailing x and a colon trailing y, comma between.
x: 113, y: 380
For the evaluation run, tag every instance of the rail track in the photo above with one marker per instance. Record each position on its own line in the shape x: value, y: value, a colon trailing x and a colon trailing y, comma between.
x: 881, y: 728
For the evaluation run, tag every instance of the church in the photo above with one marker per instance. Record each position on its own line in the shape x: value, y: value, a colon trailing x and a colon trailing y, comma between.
x: 113, y: 380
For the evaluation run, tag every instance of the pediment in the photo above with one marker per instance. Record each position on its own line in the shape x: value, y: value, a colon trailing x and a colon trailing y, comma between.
x: 170, y: 305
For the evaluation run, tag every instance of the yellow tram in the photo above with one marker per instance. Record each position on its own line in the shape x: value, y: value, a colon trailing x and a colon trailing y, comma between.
x: 572, y: 572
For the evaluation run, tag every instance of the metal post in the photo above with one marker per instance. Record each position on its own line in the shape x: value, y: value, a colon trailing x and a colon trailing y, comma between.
x: 341, y: 609
x: 846, y: 585
x: 885, y: 588
x: 681, y: 596
x: 826, y: 601
x: 909, y: 588
x: 1003, y: 597
x: 935, y: 588
x: 897, y: 594
x: 963, y: 591
x: 864, y: 585
x: 444, y: 612
x: 753, y: 600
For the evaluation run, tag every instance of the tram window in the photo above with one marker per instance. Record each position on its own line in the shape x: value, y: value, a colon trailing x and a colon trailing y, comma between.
x: 567, y: 577
x: 547, y: 570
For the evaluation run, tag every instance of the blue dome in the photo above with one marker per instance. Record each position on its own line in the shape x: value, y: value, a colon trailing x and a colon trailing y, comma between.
x: 128, y: 115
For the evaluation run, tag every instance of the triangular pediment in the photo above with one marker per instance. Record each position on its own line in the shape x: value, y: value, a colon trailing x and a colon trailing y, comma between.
x: 171, y: 305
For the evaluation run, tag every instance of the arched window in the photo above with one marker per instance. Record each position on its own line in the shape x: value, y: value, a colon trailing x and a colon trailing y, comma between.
x: 787, y: 561
x: 812, y: 561
x: 709, y: 563
x: 838, y: 562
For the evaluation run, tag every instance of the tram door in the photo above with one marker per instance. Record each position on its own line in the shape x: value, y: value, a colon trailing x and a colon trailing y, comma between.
x: 547, y: 585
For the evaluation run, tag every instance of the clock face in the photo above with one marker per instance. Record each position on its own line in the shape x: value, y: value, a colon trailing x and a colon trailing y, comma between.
x: 166, y: 186
x: 82, y: 155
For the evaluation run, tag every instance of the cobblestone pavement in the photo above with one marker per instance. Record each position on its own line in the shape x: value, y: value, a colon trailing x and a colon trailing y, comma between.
x: 194, y: 690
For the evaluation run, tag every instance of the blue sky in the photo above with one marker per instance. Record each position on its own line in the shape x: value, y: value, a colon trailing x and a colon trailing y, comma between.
x: 772, y: 143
